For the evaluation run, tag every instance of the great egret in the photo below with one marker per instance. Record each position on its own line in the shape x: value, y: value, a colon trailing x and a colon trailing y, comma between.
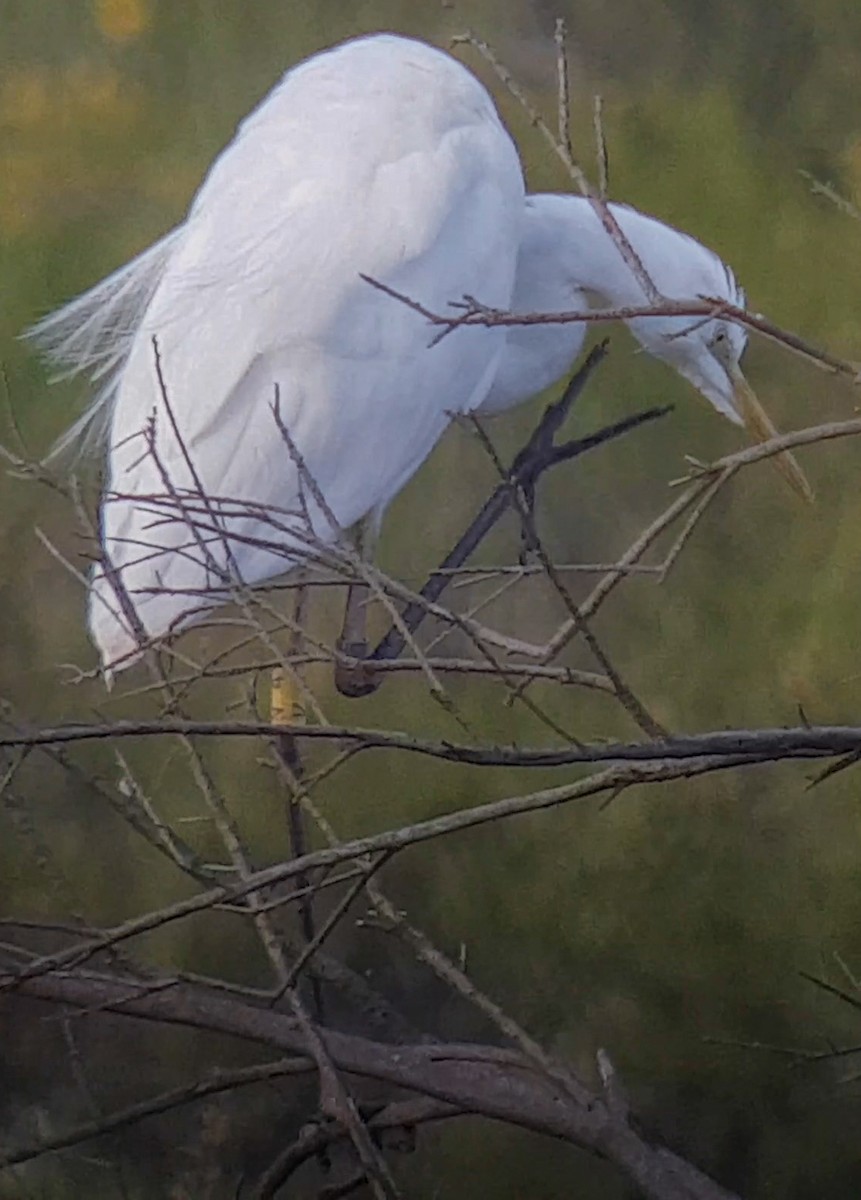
x: 287, y: 396
x: 568, y: 260
x: 384, y: 158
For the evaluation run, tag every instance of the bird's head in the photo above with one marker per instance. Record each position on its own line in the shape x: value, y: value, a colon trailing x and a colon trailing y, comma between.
x: 708, y: 354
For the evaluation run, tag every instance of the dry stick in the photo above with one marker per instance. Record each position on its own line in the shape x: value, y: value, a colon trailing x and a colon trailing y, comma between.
x: 222, y: 819
x: 324, y: 884
x: 803, y: 741
x: 446, y: 1053
x: 700, y: 483
x: 565, y: 676
x: 705, y: 308
x: 231, y: 576
x: 563, y: 153
x: 335, y: 1100
x: 393, y: 588
x: 335, y: 1097
x: 638, y: 548
x: 482, y: 638
x: 364, y: 874
x: 216, y: 1082
x: 691, y: 523
x: 820, y: 188
x: 626, y: 697
x: 85, y: 1089
x: 505, y: 676
x: 158, y: 832
x: 562, y: 89
x: 465, y: 576
x: 285, y: 747
x: 337, y: 580
x: 334, y: 1094
x: 400, y: 1115
x: 367, y: 865
x: 350, y: 675
x: 601, y: 146
x: 538, y: 455
x: 224, y: 822
x: 337, y: 1103
x: 467, y: 989
x: 523, y: 499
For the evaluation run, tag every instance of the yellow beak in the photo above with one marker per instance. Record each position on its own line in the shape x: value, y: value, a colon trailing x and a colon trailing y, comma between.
x: 761, y: 428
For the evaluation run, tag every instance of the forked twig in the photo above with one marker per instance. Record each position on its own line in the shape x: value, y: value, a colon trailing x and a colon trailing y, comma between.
x: 538, y: 456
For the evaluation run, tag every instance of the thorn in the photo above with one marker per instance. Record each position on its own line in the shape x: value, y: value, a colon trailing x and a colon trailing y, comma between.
x: 834, y: 768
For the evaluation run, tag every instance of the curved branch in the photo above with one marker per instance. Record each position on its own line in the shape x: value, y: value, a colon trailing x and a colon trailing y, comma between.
x: 494, y: 1083
x: 612, y: 780
x: 769, y: 745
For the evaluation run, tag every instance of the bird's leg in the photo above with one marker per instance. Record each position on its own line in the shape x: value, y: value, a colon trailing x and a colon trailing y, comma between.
x: 351, y: 678
x: 539, y: 455
x: 527, y: 467
x: 287, y: 709
x: 285, y: 705
x: 528, y: 538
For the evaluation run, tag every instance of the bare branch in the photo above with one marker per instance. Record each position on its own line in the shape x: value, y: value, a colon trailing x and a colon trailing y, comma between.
x: 494, y: 1083
x: 806, y: 741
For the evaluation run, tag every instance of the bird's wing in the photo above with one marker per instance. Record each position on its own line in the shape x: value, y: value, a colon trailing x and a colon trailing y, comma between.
x: 265, y: 288
x: 235, y: 314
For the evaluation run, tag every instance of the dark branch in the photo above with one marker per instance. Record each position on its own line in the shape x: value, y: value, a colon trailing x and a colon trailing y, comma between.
x: 760, y: 745
x: 539, y: 455
x: 495, y: 1083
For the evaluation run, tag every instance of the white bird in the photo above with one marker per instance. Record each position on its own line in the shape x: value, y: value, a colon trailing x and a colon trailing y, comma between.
x: 386, y: 158
x: 382, y: 157
x: 568, y: 261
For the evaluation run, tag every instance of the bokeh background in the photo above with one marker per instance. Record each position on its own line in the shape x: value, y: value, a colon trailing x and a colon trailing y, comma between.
x: 669, y: 928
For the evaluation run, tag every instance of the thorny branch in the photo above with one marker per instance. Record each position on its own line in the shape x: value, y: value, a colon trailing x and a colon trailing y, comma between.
x: 768, y: 745
x: 471, y: 312
x: 481, y: 1080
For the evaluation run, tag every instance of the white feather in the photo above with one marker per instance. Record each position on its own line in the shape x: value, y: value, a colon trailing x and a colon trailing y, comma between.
x: 383, y: 157
x: 93, y: 334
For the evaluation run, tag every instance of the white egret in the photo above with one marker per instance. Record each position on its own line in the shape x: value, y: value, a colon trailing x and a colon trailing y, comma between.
x: 568, y: 261
x: 382, y: 157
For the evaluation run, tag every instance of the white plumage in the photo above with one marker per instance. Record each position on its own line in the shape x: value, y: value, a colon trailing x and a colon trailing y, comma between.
x: 568, y: 261
x: 382, y: 157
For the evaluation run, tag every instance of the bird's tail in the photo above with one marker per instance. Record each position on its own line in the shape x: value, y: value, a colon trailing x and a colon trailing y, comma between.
x: 92, y: 335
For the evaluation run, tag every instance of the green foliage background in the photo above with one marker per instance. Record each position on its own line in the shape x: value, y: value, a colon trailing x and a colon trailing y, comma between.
x: 670, y: 923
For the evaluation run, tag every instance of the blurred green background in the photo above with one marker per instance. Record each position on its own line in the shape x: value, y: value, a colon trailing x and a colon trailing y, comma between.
x: 668, y: 926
